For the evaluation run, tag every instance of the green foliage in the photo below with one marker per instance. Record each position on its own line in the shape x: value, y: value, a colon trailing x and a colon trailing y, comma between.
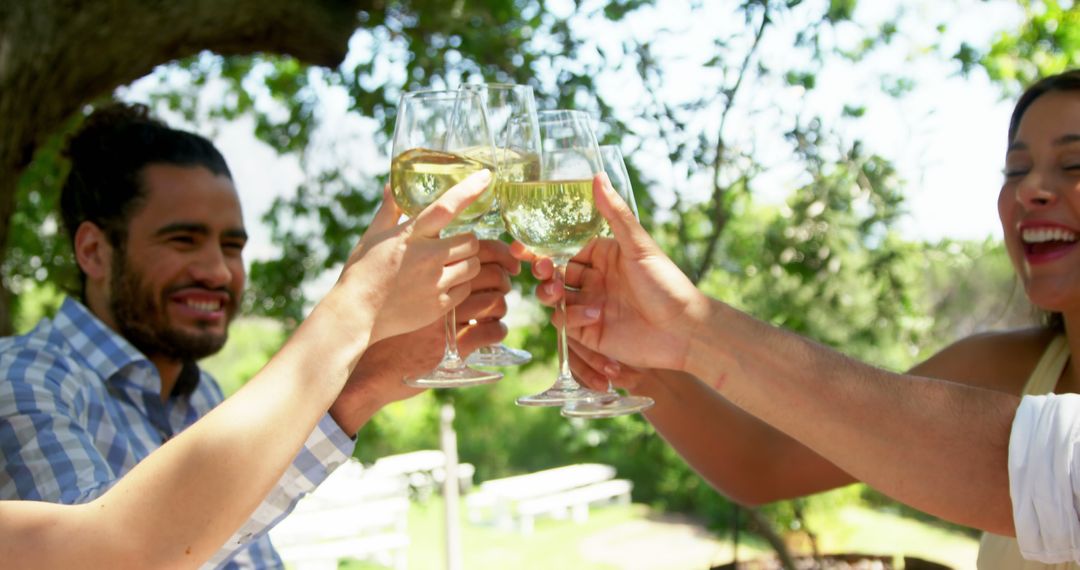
x: 840, y: 10
x: 827, y: 263
x: 971, y: 287
x: 1047, y: 42
x: 39, y: 253
x: 252, y: 342
x: 36, y: 301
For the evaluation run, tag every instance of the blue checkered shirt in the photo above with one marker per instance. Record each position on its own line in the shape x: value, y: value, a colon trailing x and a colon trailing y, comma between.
x: 80, y: 406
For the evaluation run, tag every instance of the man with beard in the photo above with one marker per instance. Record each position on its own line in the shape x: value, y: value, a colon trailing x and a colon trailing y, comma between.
x: 158, y: 235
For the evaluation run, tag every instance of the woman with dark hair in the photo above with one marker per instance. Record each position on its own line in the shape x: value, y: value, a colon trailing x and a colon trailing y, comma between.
x: 766, y: 415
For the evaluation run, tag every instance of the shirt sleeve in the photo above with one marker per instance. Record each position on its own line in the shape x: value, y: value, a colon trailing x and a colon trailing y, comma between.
x: 1044, y: 477
x: 46, y: 432
x: 325, y: 449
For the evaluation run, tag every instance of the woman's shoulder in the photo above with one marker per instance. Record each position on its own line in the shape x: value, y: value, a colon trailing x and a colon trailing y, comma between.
x: 1000, y: 360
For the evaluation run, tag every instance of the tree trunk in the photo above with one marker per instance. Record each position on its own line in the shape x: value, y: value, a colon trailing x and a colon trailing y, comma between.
x: 763, y: 527
x: 57, y: 55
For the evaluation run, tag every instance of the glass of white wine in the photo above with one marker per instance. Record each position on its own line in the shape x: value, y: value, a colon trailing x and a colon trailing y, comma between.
x: 505, y: 104
x: 614, y: 404
x: 440, y: 138
x: 555, y: 216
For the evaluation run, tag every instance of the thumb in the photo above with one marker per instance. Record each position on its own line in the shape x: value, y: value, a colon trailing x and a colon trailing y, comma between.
x: 442, y: 211
x: 630, y: 234
x: 387, y: 215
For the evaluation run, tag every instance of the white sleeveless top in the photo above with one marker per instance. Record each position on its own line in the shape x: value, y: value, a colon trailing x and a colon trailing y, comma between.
x: 1001, y: 552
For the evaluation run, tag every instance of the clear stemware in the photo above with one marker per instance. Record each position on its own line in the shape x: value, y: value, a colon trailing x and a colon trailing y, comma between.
x: 441, y: 137
x: 554, y: 215
x: 505, y: 104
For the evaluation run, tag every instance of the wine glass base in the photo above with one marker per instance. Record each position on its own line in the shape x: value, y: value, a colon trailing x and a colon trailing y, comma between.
x: 559, y: 396
x: 498, y: 355
x: 620, y: 406
x: 454, y: 378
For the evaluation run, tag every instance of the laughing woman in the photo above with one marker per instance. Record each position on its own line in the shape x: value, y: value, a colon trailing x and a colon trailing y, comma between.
x: 765, y: 415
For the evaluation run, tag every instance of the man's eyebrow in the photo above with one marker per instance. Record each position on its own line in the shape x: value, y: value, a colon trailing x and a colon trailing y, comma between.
x: 197, y: 228
x: 237, y: 233
x: 182, y: 227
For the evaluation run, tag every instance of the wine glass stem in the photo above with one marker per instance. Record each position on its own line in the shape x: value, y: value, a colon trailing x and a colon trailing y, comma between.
x: 566, y: 379
x: 451, y: 357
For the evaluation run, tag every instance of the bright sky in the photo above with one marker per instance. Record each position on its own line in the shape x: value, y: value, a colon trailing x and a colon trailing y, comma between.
x: 946, y: 137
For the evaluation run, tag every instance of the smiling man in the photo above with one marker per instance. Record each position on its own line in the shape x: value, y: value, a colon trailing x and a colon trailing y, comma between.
x: 175, y: 282
x: 158, y: 234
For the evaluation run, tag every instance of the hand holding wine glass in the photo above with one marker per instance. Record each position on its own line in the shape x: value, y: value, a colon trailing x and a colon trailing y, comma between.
x: 631, y: 302
x: 615, y: 404
x: 406, y: 271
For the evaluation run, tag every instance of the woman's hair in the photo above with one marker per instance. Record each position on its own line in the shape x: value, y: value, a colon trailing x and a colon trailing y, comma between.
x: 1065, y: 81
x: 108, y: 155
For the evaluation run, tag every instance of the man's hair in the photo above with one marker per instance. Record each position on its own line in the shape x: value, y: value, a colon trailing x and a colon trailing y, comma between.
x: 108, y: 155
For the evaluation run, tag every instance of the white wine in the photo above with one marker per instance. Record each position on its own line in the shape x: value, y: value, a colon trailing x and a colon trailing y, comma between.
x: 418, y: 176
x: 555, y: 218
x: 512, y: 166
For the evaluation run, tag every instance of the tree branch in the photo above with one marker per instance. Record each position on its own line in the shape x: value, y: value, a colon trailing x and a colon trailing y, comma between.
x: 720, y: 215
x: 57, y: 55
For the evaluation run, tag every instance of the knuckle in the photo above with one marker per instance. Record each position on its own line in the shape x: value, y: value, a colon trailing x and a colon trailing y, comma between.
x: 473, y: 268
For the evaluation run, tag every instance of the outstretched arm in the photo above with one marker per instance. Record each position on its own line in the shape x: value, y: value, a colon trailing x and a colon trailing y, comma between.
x: 178, y: 506
x: 939, y: 446
x: 741, y: 456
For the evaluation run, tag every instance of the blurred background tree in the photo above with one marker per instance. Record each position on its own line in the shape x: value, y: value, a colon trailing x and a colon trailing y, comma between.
x: 708, y: 100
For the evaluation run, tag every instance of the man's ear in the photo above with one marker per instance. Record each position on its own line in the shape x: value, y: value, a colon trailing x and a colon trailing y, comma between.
x: 92, y: 251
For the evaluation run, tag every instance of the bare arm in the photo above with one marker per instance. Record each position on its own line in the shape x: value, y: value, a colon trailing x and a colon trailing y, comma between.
x: 177, y: 507
x: 939, y: 446
x: 741, y: 456
x: 753, y: 462
x: 737, y: 453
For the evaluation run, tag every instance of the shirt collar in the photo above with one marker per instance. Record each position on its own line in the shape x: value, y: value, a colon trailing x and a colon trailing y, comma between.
x: 105, y: 350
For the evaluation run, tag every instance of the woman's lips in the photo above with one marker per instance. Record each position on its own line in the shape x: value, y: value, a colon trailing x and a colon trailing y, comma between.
x: 1045, y: 252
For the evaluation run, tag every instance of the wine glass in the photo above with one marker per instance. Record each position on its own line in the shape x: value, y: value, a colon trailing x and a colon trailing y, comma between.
x: 506, y: 103
x: 554, y: 215
x: 440, y: 138
x: 614, y: 404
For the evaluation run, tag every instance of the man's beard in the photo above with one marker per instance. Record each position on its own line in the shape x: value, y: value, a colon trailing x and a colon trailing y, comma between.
x: 145, y: 323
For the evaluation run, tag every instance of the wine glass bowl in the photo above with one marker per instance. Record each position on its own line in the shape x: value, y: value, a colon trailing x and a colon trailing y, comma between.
x: 436, y: 145
x: 553, y: 218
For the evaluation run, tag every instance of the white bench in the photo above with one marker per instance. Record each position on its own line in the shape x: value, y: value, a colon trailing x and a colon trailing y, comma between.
x: 352, y: 515
x: 562, y: 492
x: 425, y: 470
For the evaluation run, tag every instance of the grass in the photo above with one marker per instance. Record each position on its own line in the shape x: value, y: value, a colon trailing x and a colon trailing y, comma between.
x: 553, y: 544
x: 562, y: 544
x: 860, y: 529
